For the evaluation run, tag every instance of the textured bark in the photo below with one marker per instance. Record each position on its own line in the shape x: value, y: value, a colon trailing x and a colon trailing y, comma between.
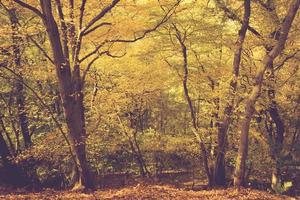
x: 239, y: 175
x: 219, y: 173
x: 19, y: 88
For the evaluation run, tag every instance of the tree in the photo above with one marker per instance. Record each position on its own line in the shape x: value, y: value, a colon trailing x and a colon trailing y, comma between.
x: 239, y: 177
x: 223, y: 125
x: 66, y: 41
x: 199, y: 137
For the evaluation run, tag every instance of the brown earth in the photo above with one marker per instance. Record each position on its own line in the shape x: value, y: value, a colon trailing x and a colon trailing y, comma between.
x: 147, y: 192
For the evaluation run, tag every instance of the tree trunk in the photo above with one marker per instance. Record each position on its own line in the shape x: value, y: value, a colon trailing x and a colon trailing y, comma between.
x: 72, y: 98
x: 11, y: 146
x: 239, y: 175
x: 4, y: 151
x: 276, y: 137
x: 14, y: 174
x: 203, y: 150
x: 276, y: 144
x: 141, y: 160
x: 19, y: 89
x: 220, y: 173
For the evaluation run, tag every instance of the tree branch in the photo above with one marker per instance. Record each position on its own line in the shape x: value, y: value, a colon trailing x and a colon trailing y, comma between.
x: 33, y: 9
x: 41, y: 49
x: 231, y: 15
x: 93, y: 52
x: 30, y: 37
x: 100, y: 15
x: 96, y: 27
x: 64, y: 28
x: 81, y: 15
x: 288, y: 57
x: 88, y: 68
x: 167, y: 16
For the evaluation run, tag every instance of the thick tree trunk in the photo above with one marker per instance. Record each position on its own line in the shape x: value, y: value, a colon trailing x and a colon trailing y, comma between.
x: 19, y: 89
x: 239, y: 176
x: 219, y: 173
x: 72, y: 98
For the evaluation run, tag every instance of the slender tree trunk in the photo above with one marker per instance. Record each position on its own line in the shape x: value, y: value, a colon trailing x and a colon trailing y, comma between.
x: 138, y: 155
x: 144, y: 170
x: 11, y: 146
x: 219, y: 173
x: 239, y: 175
x: 4, y: 151
x: 203, y: 150
x: 19, y: 89
x: 72, y: 98
x: 12, y: 122
x: 276, y: 138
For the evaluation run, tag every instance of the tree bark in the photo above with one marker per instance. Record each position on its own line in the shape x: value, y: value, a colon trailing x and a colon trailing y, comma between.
x: 239, y: 174
x: 220, y: 173
x: 72, y: 98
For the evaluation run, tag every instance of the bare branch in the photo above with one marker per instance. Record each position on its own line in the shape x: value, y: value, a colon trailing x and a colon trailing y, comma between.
x: 96, y: 27
x: 93, y: 52
x: 82, y: 7
x: 101, y: 15
x: 95, y: 59
x: 167, y: 16
x: 172, y: 66
x: 231, y: 15
x: 88, y: 69
x: 33, y: 9
x: 41, y: 49
x: 288, y: 57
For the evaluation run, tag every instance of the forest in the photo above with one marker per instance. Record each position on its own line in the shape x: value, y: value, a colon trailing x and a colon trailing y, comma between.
x: 149, y: 99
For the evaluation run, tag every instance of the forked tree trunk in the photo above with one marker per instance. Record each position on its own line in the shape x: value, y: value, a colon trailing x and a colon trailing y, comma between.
x: 72, y: 98
x: 220, y: 173
x: 239, y: 174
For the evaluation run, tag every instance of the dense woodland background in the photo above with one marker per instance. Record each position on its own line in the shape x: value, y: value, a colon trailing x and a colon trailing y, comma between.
x: 185, y: 92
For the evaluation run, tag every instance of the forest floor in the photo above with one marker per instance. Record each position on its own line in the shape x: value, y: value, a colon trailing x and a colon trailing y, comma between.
x: 146, y: 192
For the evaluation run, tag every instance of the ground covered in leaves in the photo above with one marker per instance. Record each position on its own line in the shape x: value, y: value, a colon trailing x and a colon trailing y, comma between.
x: 146, y: 192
